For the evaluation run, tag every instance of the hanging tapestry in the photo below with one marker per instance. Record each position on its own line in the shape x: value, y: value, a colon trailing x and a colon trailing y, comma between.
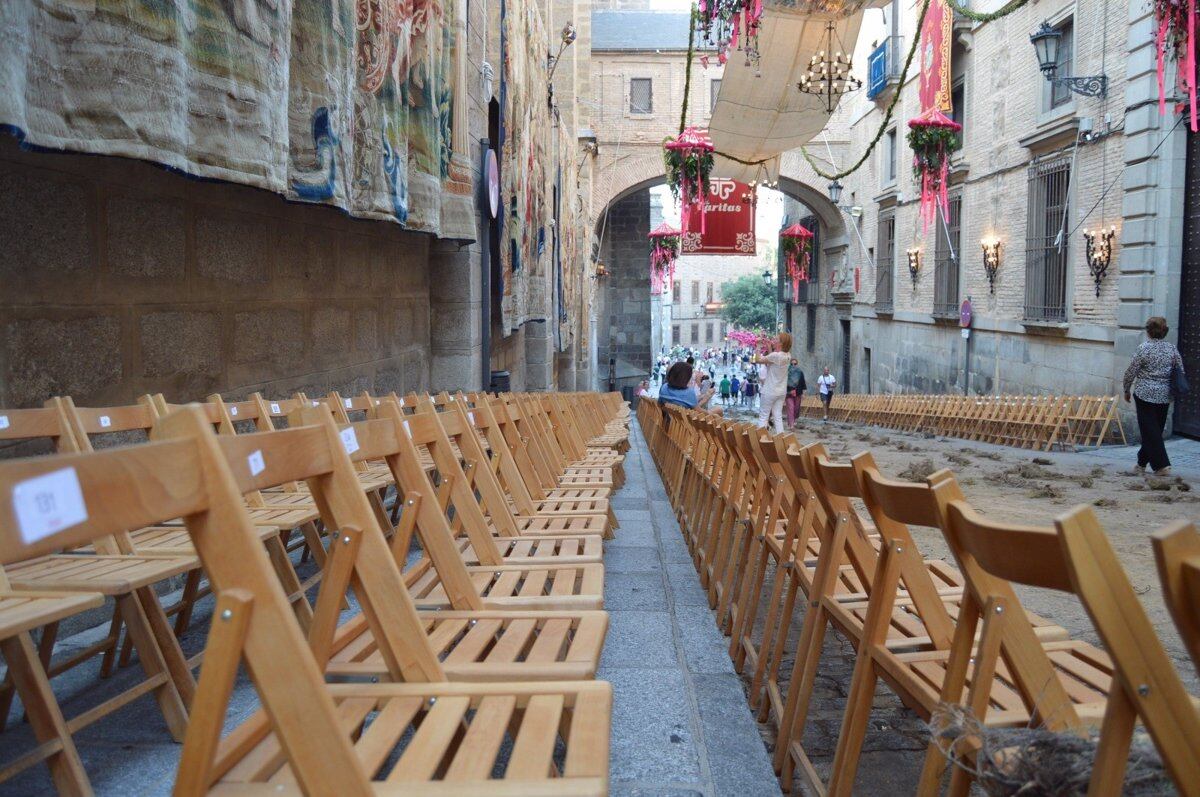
x: 348, y: 103
x: 523, y: 157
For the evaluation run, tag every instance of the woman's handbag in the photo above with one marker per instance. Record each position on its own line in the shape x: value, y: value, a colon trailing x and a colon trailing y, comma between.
x: 1179, y: 382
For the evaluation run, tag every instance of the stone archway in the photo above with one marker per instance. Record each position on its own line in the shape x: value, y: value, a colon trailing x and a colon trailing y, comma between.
x: 622, y: 306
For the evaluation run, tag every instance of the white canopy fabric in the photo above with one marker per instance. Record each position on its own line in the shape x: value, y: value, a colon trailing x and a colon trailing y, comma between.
x: 759, y: 118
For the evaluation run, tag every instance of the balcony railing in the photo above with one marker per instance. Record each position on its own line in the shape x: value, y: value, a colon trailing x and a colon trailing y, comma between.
x: 883, y: 66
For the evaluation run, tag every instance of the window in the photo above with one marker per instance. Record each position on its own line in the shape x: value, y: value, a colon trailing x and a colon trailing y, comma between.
x: 889, y: 157
x: 1056, y: 95
x: 695, y: 293
x: 714, y: 88
x: 675, y: 339
x: 958, y: 96
x: 1046, y: 244
x: 641, y: 95
x: 710, y: 292
x: 946, y: 260
x: 675, y: 290
x: 695, y: 333
x: 886, y: 260
x: 708, y: 332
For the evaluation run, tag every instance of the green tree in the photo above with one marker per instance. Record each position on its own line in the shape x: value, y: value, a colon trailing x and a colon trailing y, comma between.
x: 749, y: 303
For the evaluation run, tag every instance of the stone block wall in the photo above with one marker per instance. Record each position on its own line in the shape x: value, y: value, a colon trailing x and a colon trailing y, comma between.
x: 118, y: 278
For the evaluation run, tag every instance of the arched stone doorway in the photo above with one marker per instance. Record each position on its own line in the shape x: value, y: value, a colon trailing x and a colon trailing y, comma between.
x: 622, y: 306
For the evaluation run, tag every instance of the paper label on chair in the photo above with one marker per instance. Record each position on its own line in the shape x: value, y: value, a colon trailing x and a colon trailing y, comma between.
x: 233, y: 410
x: 255, y: 461
x: 407, y: 429
x: 3, y: 421
x: 47, y: 504
x: 471, y: 415
x: 349, y: 439
x: 105, y: 421
x: 274, y: 409
x: 349, y: 403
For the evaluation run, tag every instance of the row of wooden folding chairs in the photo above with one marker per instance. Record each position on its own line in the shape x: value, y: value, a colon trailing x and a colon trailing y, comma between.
x: 500, y: 561
x: 757, y: 509
x: 1033, y: 422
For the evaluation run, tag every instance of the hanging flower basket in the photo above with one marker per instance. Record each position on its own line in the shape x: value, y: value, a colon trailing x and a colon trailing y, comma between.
x: 664, y: 249
x: 795, y: 242
x: 1175, y: 38
x: 932, y: 136
x: 689, y: 162
x: 731, y: 25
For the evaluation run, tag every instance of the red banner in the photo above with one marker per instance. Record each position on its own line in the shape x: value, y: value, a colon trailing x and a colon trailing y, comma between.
x: 728, y: 223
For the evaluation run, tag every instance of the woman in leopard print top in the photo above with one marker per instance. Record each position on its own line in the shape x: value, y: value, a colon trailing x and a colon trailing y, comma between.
x: 1148, y: 379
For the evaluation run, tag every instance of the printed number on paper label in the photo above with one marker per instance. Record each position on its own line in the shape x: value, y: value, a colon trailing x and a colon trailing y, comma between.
x: 105, y: 421
x: 3, y: 421
x: 349, y: 439
x: 233, y: 410
x: 48, y: 504
x: 255, y: 461
x: 275, y: 409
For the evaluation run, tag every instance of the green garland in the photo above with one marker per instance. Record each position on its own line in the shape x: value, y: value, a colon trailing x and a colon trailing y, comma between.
x: 975, y: 16
x: 929, y: 144
x: 687, y: 74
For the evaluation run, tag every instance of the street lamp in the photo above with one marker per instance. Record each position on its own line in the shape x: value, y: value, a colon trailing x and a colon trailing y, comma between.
x: 1047, y: 42
x: 835, y: 191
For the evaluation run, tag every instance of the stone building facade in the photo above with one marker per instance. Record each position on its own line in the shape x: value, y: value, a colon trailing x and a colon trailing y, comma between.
x: 118, y: 277
x: 1037, y: 166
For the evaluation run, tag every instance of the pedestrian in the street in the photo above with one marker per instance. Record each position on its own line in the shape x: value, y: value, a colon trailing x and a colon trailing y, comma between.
x: 725, y: 386
x: 775, y: 384
x: 751, y: 389
x: 678, y: 389
x: 1154, y: 378
x: 826, y: 382
x: 735, y: 389
x: 796, y: 387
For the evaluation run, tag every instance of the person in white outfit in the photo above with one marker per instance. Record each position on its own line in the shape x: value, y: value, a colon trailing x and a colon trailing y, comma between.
x: 826, y: 382
x: 773, y: 387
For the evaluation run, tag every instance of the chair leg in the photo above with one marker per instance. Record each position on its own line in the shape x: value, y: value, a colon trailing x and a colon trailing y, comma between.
x: 854, y: 725
x: 45, y: 717
x: 109, y: 660
x: 167, y: 694
x: 168, y: 645
x: 290, y: 581
x: 191, y: 588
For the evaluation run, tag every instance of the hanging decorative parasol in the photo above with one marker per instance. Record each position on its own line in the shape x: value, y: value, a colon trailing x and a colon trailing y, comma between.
x: 795, y: 242
x: 689, y: 162
x: 664, y: 249
x: 932, y: 137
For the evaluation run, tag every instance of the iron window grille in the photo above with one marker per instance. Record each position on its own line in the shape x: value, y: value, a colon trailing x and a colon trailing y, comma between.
x: 946, y: 261
x: 641, y: 95
x: 885, y: 262
x: 1046, y: 244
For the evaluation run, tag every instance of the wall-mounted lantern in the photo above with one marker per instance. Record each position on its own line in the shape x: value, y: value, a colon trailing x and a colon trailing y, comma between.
x: 991, y: 261
x: 914, y: 265
x: 1099, y: 252
x: 1047, y: 41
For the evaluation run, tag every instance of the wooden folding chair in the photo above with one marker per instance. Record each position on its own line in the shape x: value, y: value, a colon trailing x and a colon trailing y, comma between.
x: 22, y: 611
x: 1065, y: 686
x: 112, y: 567
x: 1177, y: 553
x: 309, y: 737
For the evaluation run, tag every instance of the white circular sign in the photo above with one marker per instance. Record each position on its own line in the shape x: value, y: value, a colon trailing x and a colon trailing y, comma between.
x: 493, y: 183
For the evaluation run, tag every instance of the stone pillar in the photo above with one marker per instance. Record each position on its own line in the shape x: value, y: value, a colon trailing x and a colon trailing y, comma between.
x: 455, y: 328
x: 1150, y: 258
x: 539, y: 356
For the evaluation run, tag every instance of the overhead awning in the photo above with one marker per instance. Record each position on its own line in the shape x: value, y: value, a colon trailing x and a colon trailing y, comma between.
x: 759, y: 118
